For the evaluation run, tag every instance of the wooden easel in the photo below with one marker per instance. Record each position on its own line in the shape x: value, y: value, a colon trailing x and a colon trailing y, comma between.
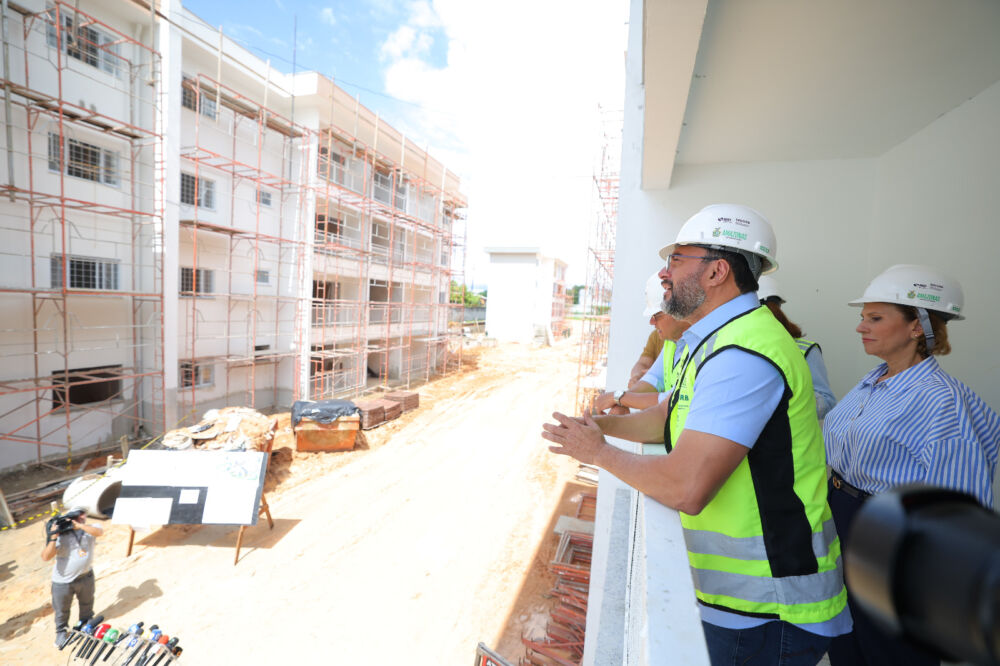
x: 262, y: 510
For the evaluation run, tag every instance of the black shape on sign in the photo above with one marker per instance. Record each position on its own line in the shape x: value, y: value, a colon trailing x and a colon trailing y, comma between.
x: 180, y: 514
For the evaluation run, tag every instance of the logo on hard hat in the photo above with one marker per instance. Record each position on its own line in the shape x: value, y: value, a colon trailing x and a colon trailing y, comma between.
x: 911, y: 294
x: 716, y: 232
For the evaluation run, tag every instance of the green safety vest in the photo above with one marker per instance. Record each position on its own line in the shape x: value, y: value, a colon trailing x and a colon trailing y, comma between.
x: 765, y: 545
x: 669, y: 349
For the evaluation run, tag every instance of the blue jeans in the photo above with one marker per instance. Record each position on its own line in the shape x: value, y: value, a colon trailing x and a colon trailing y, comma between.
x: 771, y: 644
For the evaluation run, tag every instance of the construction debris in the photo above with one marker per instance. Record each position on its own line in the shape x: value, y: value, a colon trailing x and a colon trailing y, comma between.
x: 565, y: 631
x: 226, y: 429
x: 587, y: 474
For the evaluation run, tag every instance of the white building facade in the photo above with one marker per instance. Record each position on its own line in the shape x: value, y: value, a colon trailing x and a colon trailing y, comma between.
x: 526, y: 295
x: 186, y: 228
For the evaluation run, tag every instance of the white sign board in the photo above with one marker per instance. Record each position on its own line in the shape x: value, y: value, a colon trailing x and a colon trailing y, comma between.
x: 191, y: 488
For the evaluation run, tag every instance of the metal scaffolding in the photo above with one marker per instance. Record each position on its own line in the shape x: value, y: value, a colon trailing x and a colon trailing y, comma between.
x: 600, y: 264
x: 243, y: 210
x: 82, y: 220
x: 389, y: 239
x: 314, y: 262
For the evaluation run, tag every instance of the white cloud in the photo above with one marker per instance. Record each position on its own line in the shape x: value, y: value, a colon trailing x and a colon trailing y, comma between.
x: 326, y: 15
x: 398, y: 43
x: 521, y: 88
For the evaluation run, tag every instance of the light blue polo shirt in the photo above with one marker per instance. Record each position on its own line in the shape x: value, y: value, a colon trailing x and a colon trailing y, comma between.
x: 734, y: 397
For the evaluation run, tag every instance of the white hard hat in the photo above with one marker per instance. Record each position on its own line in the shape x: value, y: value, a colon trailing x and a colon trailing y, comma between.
x: 729, y: 227
x: 654, y: 295
x: 918, y: 286
x: 767, y: 288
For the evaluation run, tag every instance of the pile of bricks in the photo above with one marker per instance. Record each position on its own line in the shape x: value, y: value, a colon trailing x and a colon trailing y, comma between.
x: 391, y: 406
x: 372, y: 413
x: 565, y: 631
x: 393, y: 409
x: 407, y: 399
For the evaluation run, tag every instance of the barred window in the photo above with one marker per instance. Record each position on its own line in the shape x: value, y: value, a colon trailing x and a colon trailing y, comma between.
x: 197, y: 100
x: 197, y: 281
x: 85, y: 273
x: 85, y: 43
x: 84, y: 160
x: 196, y: 374
x: 264, y: 198
x: 263, y: 277
x: 197, y: 191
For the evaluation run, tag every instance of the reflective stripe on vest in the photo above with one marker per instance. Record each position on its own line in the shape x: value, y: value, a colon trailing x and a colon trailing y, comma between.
x: 814, y: 589
x: 805, y: 345
x: 765, y: 545
x: 700, y: 542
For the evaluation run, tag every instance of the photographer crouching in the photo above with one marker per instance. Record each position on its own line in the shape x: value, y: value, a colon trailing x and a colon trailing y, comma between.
x: 70, y: 540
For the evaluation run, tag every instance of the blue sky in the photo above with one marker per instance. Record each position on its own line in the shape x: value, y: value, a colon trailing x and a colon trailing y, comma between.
x: 505, y: 94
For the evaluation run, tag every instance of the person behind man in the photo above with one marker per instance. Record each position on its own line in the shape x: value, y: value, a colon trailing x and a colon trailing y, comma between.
x: 70, y: 540
x: 745, y: 464
x: 646, y: 377
x: 768, y: 293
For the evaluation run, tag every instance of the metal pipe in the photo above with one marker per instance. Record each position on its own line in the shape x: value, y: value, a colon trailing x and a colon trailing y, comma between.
x: 6, y: 104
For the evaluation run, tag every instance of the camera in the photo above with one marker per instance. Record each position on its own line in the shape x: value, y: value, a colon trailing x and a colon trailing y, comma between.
x: 925, y: 563
x: 62, y: 524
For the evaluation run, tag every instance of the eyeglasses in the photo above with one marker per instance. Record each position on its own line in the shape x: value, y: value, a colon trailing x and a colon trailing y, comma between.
x: 671, y: 257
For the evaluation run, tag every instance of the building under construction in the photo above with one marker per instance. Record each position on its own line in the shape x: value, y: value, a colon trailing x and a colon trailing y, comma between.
x: 185, y: 227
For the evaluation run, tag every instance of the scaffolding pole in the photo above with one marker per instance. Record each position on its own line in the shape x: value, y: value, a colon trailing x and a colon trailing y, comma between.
x: 600, y: 265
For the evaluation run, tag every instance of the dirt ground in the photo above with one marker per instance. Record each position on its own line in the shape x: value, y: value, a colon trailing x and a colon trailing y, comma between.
x: 432, y: 535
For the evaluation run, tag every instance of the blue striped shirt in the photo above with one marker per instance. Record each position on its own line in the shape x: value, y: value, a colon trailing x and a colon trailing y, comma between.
x: 919, y: 426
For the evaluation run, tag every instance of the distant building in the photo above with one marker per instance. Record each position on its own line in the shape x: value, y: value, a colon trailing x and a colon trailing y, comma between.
x: 527, y: 295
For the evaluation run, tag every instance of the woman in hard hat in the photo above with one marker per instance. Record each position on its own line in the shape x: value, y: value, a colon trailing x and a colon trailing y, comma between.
x: 907, y: 421
x: 767, y: 292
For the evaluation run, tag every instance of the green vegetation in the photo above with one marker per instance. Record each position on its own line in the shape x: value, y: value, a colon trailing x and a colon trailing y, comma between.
x: 462, y: 294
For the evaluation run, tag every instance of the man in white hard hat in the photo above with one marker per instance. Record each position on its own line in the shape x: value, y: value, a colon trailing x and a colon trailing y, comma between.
x: 646, y: 377
x: 745, y: 464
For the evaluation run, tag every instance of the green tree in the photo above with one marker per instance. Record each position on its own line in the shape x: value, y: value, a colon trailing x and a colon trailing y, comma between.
x: 462, y: 294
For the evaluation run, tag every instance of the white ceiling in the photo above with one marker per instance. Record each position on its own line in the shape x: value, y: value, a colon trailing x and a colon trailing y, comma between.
x: 777, y: 80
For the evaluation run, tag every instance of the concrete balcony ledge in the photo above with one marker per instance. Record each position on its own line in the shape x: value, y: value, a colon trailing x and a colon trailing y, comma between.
x: 642, y: 608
